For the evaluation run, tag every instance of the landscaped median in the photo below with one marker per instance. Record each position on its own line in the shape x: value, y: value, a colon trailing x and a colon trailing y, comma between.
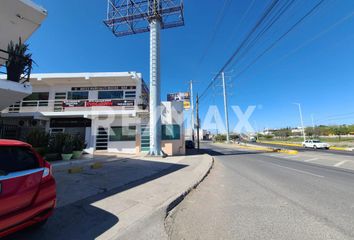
x: 261, y: 148
x: 300, y: 145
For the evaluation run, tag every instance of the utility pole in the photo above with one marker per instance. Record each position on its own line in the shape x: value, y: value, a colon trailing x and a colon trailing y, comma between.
x: 197, y: 108
x: 225, y: 108
x: 302, y: 121
x: 192, y: 109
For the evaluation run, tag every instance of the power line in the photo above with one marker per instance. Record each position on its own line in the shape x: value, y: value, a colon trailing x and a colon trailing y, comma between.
x: 215, y: 30
x: 281, y: 37
x: 253, y: 30
x: 266, y: 28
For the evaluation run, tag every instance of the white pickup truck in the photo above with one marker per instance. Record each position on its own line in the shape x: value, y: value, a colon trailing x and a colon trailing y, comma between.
x: 315, y: 144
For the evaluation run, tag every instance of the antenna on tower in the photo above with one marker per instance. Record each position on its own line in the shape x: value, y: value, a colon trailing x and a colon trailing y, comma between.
x: 127, y: 17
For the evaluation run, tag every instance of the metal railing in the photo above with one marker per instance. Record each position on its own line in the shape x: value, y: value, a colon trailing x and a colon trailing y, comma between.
x: 25, y: 77
x: 72, y: 105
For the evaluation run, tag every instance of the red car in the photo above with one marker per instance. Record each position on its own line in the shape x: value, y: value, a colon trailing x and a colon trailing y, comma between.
x: 27, y: 187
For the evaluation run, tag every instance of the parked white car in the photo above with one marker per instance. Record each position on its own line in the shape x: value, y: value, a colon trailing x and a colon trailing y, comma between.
x: 315, y: 144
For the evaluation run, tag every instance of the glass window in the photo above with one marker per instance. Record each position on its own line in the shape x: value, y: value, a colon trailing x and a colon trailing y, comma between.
x: 110, y: 94
x: 77, y: 95
x: 40, y: 98
x: 14, y: 159
x: 124, y: 133
x: 171, y: 132
x: 130, y: 94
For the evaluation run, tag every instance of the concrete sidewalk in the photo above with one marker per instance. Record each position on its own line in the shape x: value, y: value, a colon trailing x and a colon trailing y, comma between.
x: 125, y: 199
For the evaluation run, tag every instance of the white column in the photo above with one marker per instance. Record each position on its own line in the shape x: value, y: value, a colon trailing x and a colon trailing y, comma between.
x: 155, y: 98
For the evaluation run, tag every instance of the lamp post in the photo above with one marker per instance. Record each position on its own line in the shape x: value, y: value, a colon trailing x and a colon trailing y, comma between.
x: 302, y: 121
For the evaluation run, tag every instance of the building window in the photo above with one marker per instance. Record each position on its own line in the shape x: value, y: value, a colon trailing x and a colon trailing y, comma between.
x: 124, y: 133
x: 40, y: 98
x: 77, y: 95
x: 110, y: 94
x: 171, y: 132
x: 130, y: 94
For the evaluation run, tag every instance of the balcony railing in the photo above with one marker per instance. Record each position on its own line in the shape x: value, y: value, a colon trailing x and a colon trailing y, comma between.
x: 4, y: 56
x: 73, y: 105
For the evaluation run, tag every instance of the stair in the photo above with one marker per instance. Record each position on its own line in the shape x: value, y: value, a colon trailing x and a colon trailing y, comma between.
x: 102, y: 139
x: 145, y: 138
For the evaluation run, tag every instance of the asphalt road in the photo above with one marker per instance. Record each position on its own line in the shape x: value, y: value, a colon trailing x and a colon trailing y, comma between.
x: 249, y: 195
x: 302, y: 149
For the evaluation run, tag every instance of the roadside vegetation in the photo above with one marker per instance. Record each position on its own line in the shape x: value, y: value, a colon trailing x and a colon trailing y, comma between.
x: 340, y: 136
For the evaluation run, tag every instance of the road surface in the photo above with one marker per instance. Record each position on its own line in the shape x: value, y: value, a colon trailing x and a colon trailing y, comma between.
x: 302, y: 149
x: 251, y: 195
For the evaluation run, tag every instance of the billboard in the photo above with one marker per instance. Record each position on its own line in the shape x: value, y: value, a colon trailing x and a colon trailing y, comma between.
x: 184, y: 97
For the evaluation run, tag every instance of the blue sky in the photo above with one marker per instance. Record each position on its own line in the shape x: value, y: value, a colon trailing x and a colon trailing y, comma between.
x: 313, y: 65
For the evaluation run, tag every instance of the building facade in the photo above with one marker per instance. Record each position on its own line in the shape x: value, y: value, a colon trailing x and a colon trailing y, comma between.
x: 109, y: 110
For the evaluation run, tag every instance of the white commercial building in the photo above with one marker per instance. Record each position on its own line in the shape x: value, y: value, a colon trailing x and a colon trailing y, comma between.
x: 109, y: 110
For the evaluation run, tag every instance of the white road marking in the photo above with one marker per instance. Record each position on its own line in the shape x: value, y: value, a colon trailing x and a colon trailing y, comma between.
x: 291, y: 157
x: 311, y: 160
x: 340, y: 163
x: 297, y: 170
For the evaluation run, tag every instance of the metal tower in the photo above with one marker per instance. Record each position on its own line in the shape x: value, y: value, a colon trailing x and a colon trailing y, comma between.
x: 127, y: 17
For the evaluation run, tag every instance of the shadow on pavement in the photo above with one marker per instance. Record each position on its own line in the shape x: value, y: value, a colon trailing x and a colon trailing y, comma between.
x: 220, y: 152
x: 82, y: 220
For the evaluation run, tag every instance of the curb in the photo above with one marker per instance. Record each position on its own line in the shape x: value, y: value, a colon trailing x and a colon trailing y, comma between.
x: 181, y: 196
x: 269, y: 149
x: 138, y: 230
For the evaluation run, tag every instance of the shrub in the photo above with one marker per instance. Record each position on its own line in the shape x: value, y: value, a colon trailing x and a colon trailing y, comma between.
x: 78, y: 143
x: 220, y: 138
x: 38, y: 138
x: 59, y: 141
x: 68, y: 146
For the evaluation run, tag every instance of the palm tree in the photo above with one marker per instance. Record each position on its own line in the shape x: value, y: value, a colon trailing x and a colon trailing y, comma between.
x: 19, y: 63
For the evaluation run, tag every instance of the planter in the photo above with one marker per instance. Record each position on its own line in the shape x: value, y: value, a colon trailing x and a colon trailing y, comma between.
x: 66, y: 157
x: 77, y: 154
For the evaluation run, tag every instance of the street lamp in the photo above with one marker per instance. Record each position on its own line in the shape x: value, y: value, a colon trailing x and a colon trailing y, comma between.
x: 302, y: 122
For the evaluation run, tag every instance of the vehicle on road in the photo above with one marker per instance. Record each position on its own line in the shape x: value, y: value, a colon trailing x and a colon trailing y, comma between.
x: 316, y: 144
x: 189, y: 144
x: 27, y: 187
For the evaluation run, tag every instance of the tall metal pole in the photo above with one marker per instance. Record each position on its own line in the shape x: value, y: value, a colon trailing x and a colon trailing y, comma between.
x: 192, y: 109
x: 302, y: 121
x: 155, y: 95
x: 225, y: 108
x: 198, y: 123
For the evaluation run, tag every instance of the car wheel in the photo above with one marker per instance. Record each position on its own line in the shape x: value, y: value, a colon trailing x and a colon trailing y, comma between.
x: 304, y: 146
x: 314, y: 147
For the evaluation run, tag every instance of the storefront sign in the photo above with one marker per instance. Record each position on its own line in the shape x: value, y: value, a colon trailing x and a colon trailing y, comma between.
x: 103, y: 88
x: 74, y: 103
x: 180, y: 97
x: 99, y: 103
